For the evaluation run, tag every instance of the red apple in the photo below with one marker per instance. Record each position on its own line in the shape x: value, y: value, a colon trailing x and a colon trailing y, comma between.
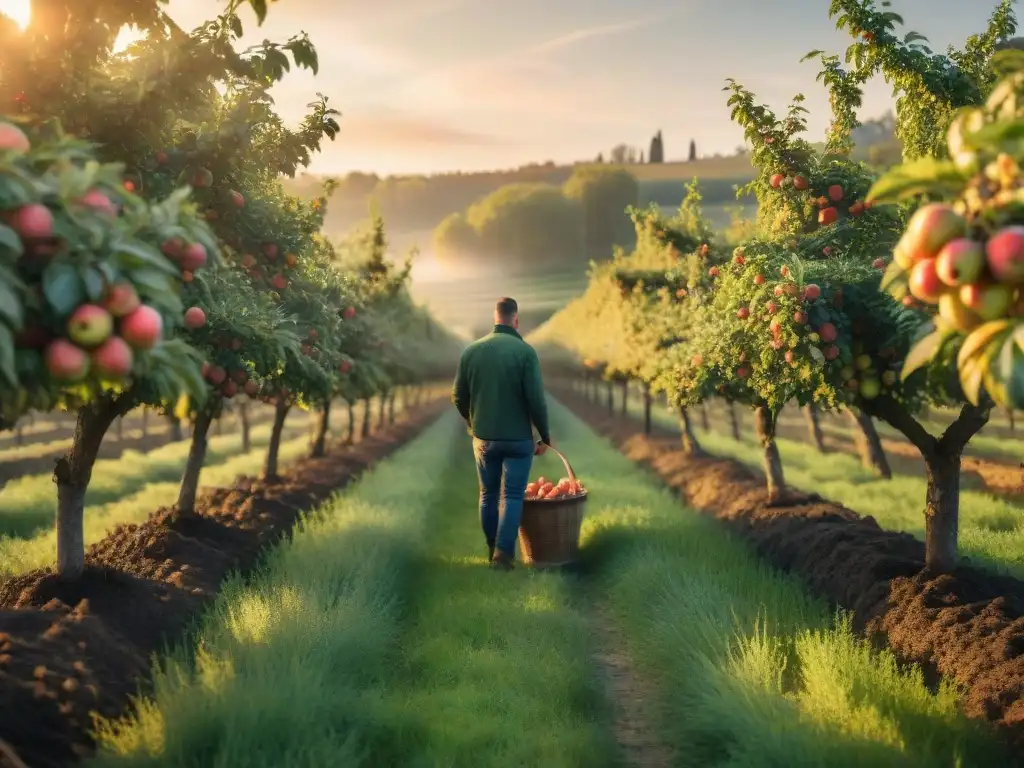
x: 65, y: 361
x: 121, y: 299
x: 758, y: 279
x: 772, y: 307
x: 237, y: 199
x: 142, y: 328
x: 931, y: 227
x: 800, y: 182
x: 99, y: 202
x: 112, y: 360
x: 924, y: 283
x: 800, y: 317
x: 831, y: 352
x: 989, y: 302
x: 828, y: 216
x: 713, y: 272
x: 194, y: 318
x: 32, y: 222
x: 13, y: 139
x: 90, y: 325
x: 172, y: 248
x: 161, y: 158
x: 1005, y: 253
x: 193, y: 257
x: 217, y: 376
x: 270, y: 251
x: 828, y: 332
x: 776, y: 180
x: 252, y: 388
x: 240, y: 376
x: 790, y: 356
x: 229, y: 389
x: 812, y: 292
x: 345, y: 366
x: 279, y: 282
x: 742, y: 313
x: 835, y: 193
x: 960, y: 261
x: 743, y: 372
x: 857, y: 209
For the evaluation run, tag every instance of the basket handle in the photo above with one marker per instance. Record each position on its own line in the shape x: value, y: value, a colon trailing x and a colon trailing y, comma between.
x: 565, y: 462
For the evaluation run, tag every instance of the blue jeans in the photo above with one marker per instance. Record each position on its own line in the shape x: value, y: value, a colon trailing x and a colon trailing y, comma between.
x: 503, y: 467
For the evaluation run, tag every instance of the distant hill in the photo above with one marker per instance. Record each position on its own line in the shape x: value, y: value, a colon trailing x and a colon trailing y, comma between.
x: 418, y: 203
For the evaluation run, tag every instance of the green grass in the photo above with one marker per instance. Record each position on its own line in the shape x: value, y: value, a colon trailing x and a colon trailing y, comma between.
x: 991, y: 528
x: 27, y: 503
x: 319, y: 662
x: 751, y: 672
x: 376, y: 637
x: 142, y: 494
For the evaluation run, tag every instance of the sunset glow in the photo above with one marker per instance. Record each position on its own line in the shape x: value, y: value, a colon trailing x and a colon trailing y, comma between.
x: 18, y: 10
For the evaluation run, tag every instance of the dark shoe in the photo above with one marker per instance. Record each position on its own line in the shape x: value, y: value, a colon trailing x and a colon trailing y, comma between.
x: 490, y: 553
x: 501, y: 562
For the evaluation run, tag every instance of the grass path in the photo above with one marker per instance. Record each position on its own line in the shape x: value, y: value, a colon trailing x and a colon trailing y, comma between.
x: 376, y: 637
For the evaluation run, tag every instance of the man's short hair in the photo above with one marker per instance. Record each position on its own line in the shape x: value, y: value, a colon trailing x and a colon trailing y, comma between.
x: 506, y: 308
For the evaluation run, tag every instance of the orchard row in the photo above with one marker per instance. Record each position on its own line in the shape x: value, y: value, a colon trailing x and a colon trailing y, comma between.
x: 875, y: 295
x: 156, y: 260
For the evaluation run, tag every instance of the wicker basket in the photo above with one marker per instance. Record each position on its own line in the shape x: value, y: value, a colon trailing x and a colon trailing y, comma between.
x: 549, y: 532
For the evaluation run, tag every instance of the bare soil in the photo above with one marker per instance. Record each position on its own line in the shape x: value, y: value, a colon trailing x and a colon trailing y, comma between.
x: 967, y: 626
x: 71, y: 649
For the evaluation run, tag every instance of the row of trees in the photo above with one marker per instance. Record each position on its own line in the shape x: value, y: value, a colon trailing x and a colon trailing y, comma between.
x: 158, y: 261
x: 814, y: 308
x: 524, y: 224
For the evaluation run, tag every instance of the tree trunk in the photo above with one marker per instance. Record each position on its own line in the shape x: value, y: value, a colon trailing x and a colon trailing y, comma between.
x: 218, y: 425
x: 176, y: 434
x: 391, y: 407
x: 1013, y: 423
x: 196, y: 458
x: 705, y: 421
x: 19, y: 434
x: 281, y: 409
x: 610, y: 392
x: 814, y: 427
x: 764, y: 423
x: 350, y: 439
x: 869, y: 444
x: 382, y: 405
x: 246, y: 427
x: 365, y: 433
x: 145, y: 422
x: 734, y: 421
x: 323, y: 426
x: 72, y: 474
x: 942, y: 511
x: 625, y: 398
x: 942, y: 458
x: 690, y: 445
x: 119, y: 427
x: 647, y: 409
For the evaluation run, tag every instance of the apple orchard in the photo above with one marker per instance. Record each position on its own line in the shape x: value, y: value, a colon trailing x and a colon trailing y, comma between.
x: 877, y: 296
x: 151, y: 257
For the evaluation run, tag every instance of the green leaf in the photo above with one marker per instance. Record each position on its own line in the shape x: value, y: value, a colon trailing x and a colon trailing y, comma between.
x: 917, y: 177
x: 153, y: 280
x: 923, y: 352
x: 7, y: 368
x: 9, y: 239
x: 260, y: 7
x: 10, y: 305
x: 94, y: 284
x: 136, y: 254
x: 62, y: 287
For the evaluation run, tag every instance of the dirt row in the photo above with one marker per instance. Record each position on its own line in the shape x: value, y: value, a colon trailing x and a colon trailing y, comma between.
x: 967, y: 626
x: 71, y: 648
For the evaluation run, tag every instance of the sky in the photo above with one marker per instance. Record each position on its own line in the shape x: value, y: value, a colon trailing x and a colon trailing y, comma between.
x: 428, y: 86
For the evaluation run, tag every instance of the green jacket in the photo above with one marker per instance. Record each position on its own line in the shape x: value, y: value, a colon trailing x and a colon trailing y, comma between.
x: 498, y: 388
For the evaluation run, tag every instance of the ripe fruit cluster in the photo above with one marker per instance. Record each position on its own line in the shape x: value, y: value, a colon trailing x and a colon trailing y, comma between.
x: 971, y: 277
x: 543, y: 489
x: 831, y: 199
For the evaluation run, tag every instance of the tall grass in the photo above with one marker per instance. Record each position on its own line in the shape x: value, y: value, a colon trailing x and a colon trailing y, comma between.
x: 749, y: 670
x: 286, y: 666
x: 321, y: 662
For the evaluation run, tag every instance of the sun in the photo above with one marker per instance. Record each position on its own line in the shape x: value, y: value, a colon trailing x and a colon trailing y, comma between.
x: 20, y: 11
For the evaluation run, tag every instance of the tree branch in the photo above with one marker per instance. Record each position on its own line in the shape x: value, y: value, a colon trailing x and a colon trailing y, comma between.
x: 896, y: 416
x: 970, y: 421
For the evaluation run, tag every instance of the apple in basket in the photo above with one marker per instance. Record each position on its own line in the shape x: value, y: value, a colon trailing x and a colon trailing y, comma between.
x: 542, y: 488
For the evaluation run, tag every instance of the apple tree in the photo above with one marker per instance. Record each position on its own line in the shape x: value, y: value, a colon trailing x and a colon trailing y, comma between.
x: 92, y: 305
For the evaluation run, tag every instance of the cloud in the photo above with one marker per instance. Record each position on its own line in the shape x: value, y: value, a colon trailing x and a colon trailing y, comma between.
x: 402, y: 131
x: 576, y: 36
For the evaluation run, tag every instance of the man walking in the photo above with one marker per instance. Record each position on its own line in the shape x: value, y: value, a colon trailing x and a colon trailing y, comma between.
x: 500, y: 393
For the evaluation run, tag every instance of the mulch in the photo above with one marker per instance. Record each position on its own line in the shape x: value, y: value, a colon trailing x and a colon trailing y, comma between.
x: 71, y: 649
x: 967, y: 626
